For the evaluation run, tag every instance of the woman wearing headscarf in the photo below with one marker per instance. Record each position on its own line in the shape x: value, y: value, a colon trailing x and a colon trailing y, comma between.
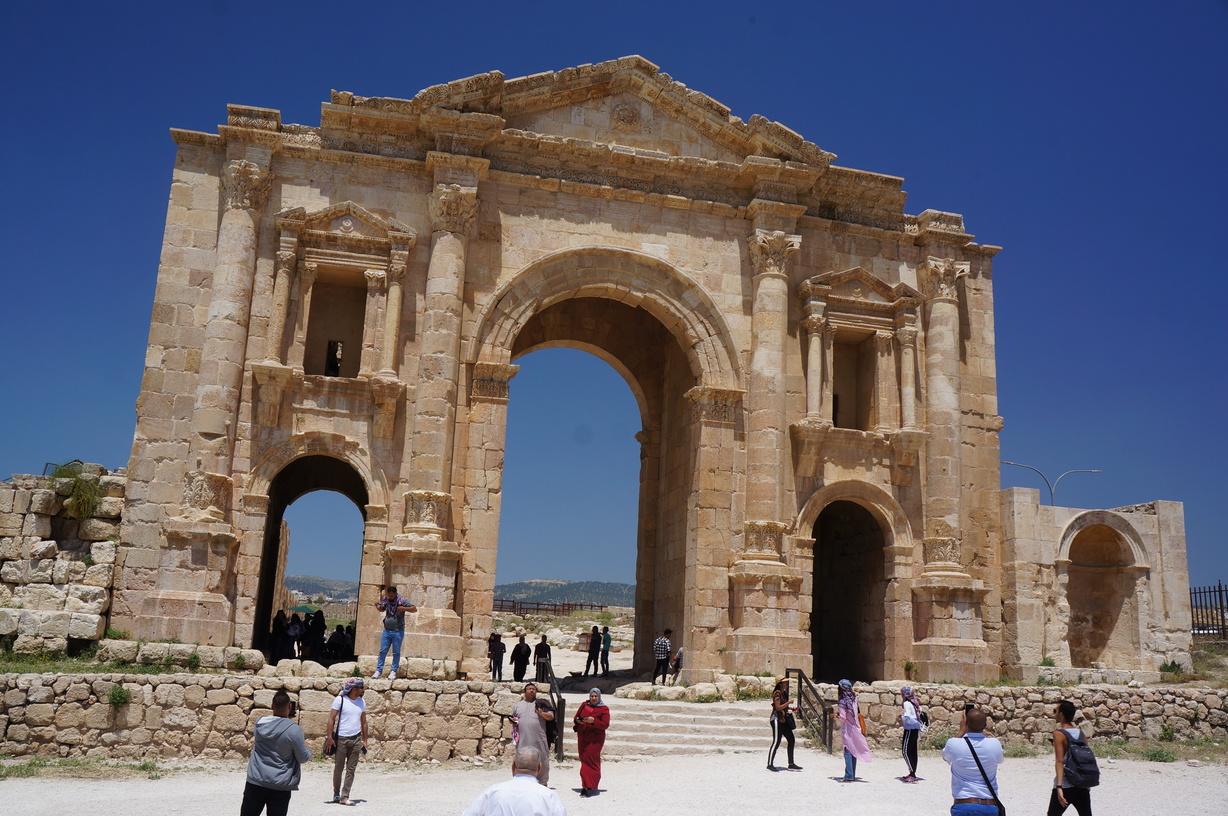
x: 591, y: 721
x: 851, y: 733
x: 910, y: 717
x: 782, y: 725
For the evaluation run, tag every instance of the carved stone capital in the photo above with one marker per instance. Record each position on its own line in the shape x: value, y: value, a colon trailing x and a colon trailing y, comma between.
x: 375, y: 278
x: 814, y: 324
x: 245, y: 185
x: 396, y: 272
x: 453, y: 208
x: 770, y: 251
x: 491, y: 381
x: 764, y: 539
x: 307, y: 273
x: 206, y: 496
x: 387, y: 391
x: 714, y: 404
x: 884, y: 340
x: 427, y: 508
x: 285, y: 259
x: 907, y: 335
x: 271, y: 381
x: 942, y: 276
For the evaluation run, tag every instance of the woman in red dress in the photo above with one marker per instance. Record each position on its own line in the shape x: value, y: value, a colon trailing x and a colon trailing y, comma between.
x: 591, y: 721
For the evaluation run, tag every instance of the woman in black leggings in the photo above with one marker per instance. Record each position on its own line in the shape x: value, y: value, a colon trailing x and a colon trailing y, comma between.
x: 782, y: 725
x: 1064, y: 794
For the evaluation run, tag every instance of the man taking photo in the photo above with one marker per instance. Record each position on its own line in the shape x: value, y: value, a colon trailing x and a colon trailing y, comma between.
x: 275, y: 766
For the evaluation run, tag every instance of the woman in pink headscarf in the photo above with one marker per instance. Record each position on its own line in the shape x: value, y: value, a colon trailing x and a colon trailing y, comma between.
x: 851, y: 735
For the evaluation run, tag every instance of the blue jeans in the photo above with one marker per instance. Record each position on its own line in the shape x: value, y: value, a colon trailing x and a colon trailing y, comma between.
x: 391, y: 637
x: 974, y: 810
x: 850, y: 765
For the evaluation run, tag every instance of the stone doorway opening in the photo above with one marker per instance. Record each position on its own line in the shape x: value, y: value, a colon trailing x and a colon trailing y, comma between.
x: 1101, y: 591
x: 302, y: 476
x: 847, y: 622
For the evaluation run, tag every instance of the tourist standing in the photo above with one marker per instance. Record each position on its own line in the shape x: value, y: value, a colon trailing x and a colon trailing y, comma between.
x: 279, y: 648
x: 606, y: 642
x: 1067, y: 792
x: 591, y: 721
x: 294, y: 636
x: 519, y: 795
x: 531, y: 716
x: 594, y: 652
x: 347, y: 729
x: 974, y: 759
x: 782, y: 725
x: 852, y: 731
x: 660, y: 650
x: 317, y: 629
x: 910, y: 718
x: 394, y: 607
x: 521, y: 654
x: 494, y: 650
x: 541, y: 659
x: 275, y: 766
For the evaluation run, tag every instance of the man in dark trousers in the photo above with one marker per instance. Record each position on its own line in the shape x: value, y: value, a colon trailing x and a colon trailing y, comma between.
x: 521, y: 653
x: 541, y: 657
x: 661, y: 648
x: 606, y: 642
x: 275, y: 766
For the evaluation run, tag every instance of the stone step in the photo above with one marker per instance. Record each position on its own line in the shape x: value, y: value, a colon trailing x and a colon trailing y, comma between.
x: 683, y: 738
x: 625, y: 727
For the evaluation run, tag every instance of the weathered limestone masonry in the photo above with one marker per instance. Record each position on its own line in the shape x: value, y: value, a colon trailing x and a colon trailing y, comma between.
x: 56, y: 571
x: 341, y: 307
x: 212, y: 716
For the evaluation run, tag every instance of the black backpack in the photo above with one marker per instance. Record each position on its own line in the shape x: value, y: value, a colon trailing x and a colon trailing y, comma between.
x: 1079, y: 768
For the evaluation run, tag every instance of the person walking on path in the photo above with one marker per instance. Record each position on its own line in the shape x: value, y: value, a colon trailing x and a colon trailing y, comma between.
x: 275, y: 766
x: 347, y: 729
x: 852, y: 731
x: 910, y: 718
x: 660, y: 650
x: 394, y: 607
x: 541, y: 657
x: 1065, y: 793
x: 521, y: 795
x: 494, y: 650
x: 974, y: 790
x: 606, y: 642
x: 531, y: 716
x: 521, y: 654
x: 591, y: 721
x: 594, y: 652
x: 782, y: 725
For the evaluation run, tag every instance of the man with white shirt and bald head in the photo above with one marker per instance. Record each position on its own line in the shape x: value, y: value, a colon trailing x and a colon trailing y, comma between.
x: 522, y: 795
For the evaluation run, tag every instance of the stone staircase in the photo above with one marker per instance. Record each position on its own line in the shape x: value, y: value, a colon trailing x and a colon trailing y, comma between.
x: 640, y: 728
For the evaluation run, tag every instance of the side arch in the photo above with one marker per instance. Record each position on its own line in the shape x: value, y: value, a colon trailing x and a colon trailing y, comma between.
x: 1108, y: 519
x: 631, y: 277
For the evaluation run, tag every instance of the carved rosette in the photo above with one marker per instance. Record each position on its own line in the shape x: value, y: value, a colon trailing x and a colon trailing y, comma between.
x: 770, y: 251
x: 764, y: 540
x: 245, y: 185
x: 942, y: 276
x: 491, y: 381
x: 206, y: 495
x: 714, y: 404
x: 427, y: 508
x: 453, y: 208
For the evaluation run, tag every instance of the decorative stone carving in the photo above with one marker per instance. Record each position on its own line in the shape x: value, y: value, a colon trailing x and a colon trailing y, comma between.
x: 907, y: 335
x: 427, y: 508
x: 764, y: 540
x: 271, y: 380
x: 245, y: 185
x: 453, y: 208
x: 942, y: 276
x: 941, y: 552
x: 883, y: 340
x: 491, y: 381
x: 770, y: 251
x: 206, y: 495
x: 714, y: 404
x: 375, y: 278
x: 387, y: 391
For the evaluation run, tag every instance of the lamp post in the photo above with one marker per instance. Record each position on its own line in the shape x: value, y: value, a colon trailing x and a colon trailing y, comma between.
x: 1052, y: 486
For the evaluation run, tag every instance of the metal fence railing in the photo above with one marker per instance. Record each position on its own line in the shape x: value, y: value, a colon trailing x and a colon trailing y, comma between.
x: 523, y: 608
x: 1209, y: 607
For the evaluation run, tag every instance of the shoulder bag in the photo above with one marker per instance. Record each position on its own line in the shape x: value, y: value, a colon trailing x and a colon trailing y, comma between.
x: 985, y: 776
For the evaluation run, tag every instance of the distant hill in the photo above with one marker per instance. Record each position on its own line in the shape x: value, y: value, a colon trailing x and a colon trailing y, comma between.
x: 311, y: 586
x: 589, y: 592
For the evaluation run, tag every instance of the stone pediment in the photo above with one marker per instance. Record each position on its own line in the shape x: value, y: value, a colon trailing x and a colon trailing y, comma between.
x: 349, y: 220
x: 858, y: 285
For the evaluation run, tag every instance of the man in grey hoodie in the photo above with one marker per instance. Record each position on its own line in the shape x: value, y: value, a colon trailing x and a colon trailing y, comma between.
x: 274, y: 768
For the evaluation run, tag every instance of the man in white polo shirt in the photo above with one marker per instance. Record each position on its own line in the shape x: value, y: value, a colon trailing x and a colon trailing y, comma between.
x: 972, y: 796
x: 522, y: 795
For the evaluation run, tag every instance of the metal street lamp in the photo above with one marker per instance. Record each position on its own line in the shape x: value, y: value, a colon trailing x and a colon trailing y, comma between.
x: 1052, y: 487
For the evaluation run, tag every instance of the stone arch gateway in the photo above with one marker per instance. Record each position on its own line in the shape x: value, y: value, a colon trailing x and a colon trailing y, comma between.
x: 360, y: 291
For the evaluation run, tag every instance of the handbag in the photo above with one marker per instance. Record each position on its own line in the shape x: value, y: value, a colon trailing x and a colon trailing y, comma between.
x: 985, y: 776
x: 790, y: 723
x: 332, y: 751
x: 861, y: 721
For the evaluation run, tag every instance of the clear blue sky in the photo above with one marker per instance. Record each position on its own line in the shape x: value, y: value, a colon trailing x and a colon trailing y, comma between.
x: 1085, y: 138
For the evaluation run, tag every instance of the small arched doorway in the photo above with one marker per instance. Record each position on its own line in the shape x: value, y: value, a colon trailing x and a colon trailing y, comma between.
x: 847, y: 624
x: 302, y: 476
x: 1100, y: 589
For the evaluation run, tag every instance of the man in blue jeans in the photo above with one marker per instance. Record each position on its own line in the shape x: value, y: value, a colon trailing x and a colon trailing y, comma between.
x: 394, y: 607
x: 972, y: 796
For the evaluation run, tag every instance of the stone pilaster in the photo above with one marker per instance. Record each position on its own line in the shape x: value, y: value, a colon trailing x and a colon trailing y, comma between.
x: 907, y: 337
x: 376, y: 279
x: 885, y: 391
x: 392, y: 317
x: 306, y: 286
x: 287, y: 259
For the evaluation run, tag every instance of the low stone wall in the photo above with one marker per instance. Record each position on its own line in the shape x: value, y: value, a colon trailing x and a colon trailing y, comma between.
x: 212, y: 716
x: 56, y: 571
x: 181, y: 655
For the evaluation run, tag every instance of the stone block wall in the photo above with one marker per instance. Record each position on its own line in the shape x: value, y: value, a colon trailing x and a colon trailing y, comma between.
x: 212, y: 716
x: 56, y: 571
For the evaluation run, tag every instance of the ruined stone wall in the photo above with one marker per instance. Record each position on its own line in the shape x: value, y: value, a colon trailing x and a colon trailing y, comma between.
x: 212, y: 716
x: 55, y: 570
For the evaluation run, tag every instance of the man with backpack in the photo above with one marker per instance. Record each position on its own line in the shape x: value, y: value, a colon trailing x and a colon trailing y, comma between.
x: 1076, y: 768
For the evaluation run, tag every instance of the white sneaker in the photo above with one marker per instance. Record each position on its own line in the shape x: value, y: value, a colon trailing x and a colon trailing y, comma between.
x: 375, y: 676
